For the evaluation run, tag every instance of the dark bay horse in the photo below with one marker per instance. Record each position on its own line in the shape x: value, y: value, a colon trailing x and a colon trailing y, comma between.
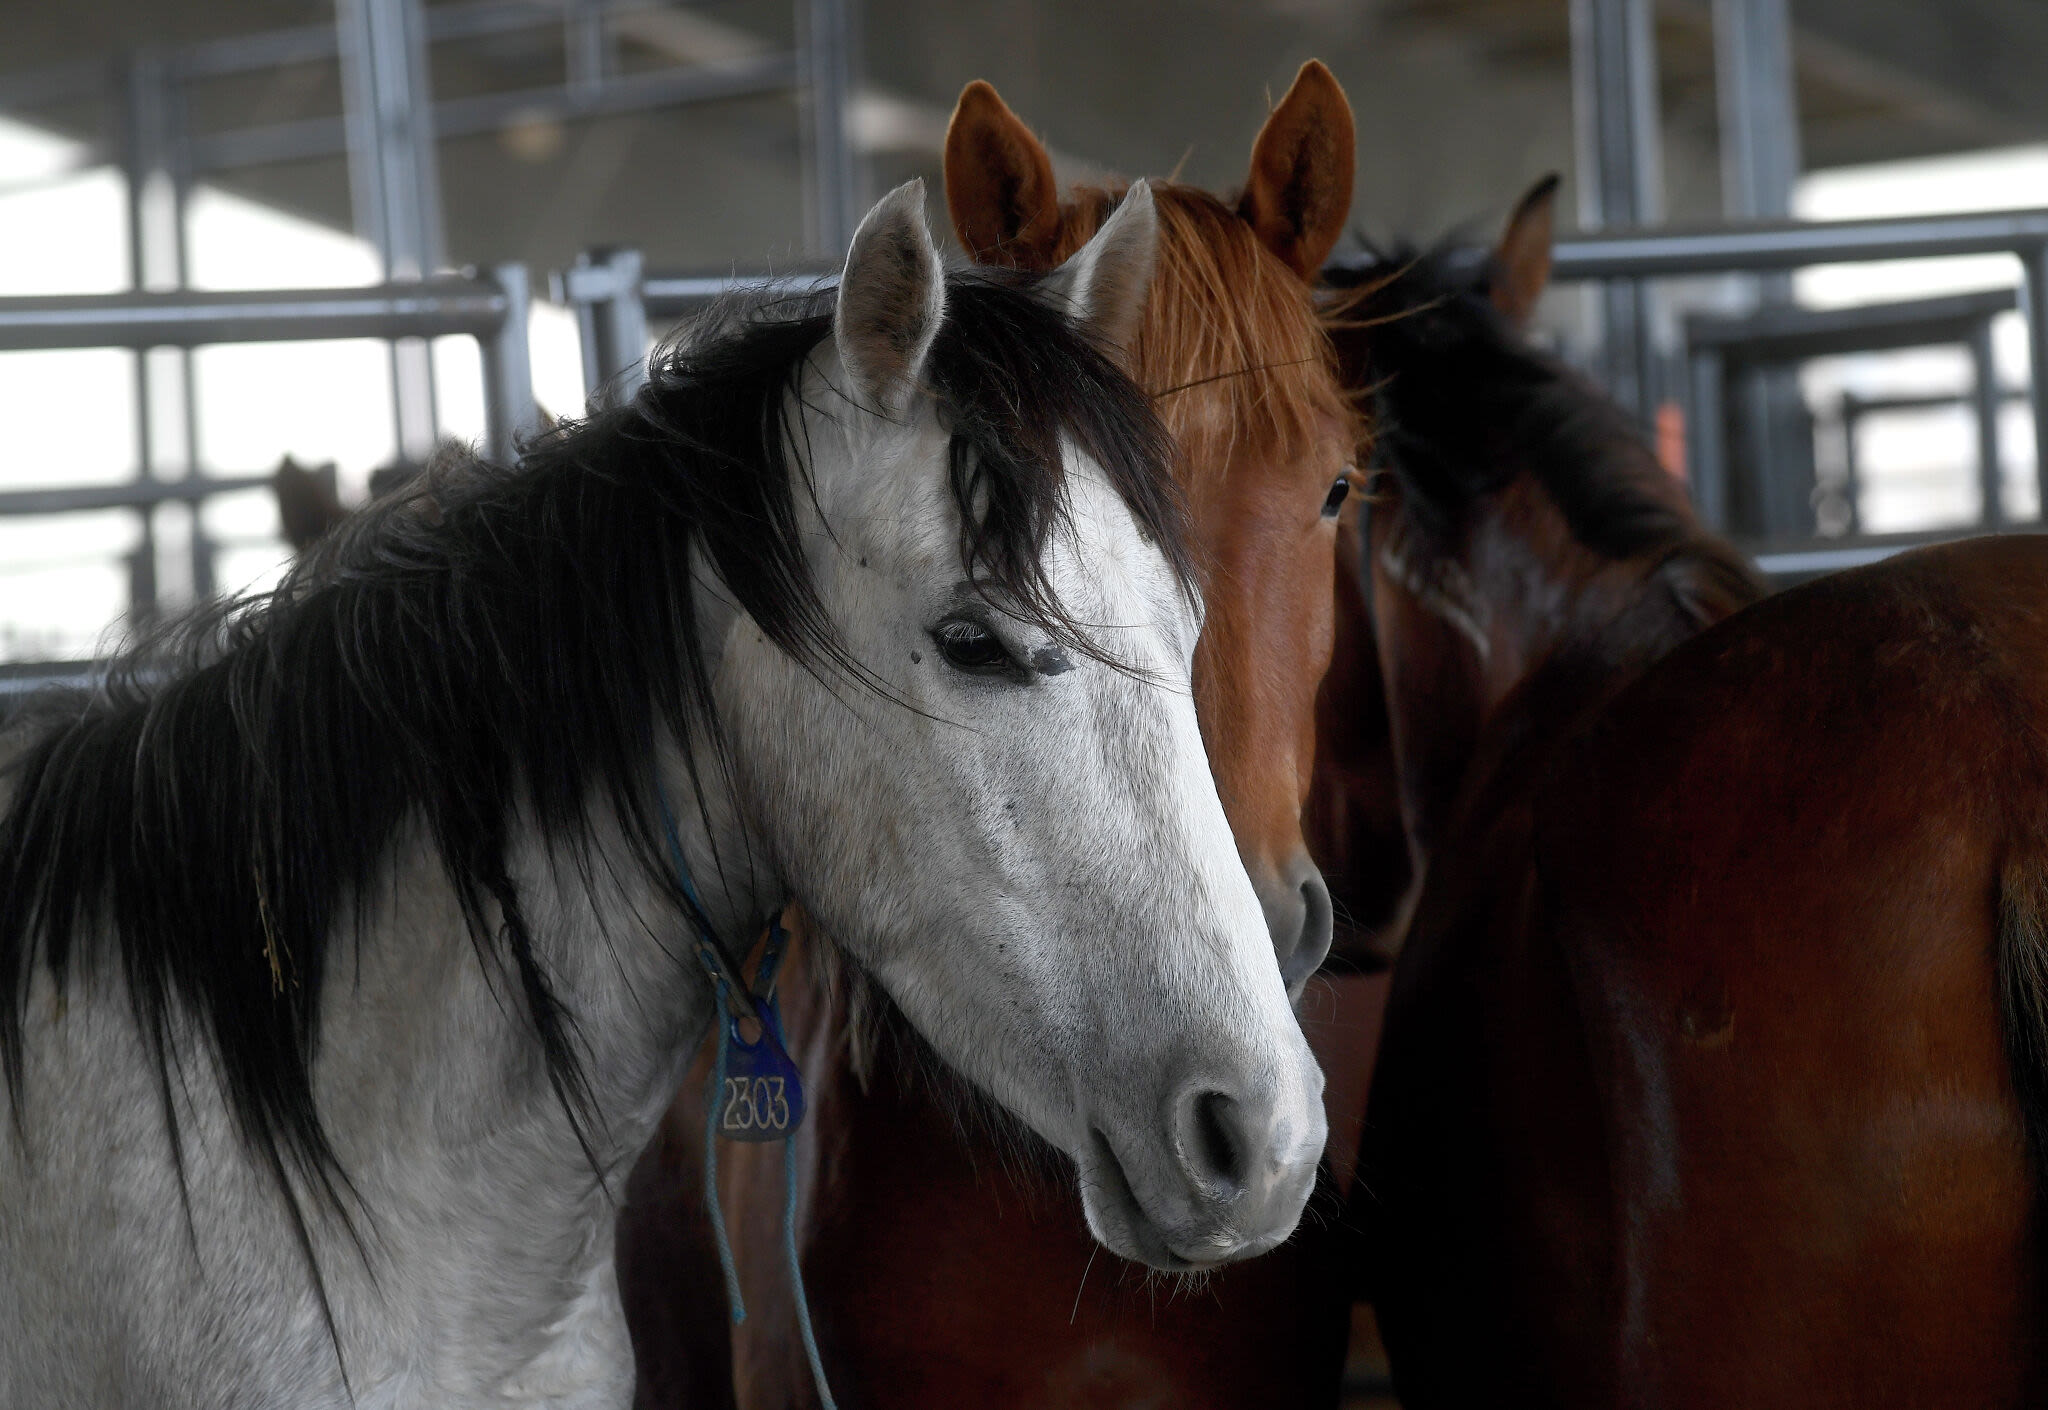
x: 1714, y: 1065
x: 1794, y: 919
x: 943, y: 1268
x: 1529, y: 559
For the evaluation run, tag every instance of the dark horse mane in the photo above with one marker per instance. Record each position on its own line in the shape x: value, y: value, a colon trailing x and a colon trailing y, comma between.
x: 1464, y: 402
x: 205, y: 823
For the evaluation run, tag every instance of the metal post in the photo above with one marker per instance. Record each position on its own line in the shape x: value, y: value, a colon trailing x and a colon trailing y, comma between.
x: 1984, y: 402
x: 510, y: 411
x: 394, y: 175
x: 1759, y: 108
x: 1614, y: 111
x: 1852, y: 461
x: 1706, y: 458
x: 179, y: 149
x: 615, y: 354
x: 2035, y: 262
x: 586, y: 55
x: 143, y: 161
x: 1760, y: 163
x: 828, y: 29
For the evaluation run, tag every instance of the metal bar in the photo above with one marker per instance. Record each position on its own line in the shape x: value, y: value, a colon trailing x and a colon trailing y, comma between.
x: 21, y: 679
x: 615, y: 346
x: 1707, y: 457
x: 488, y: 112
x: 394, y: 177
x: 1664, y: 253
x: 1617, y: 140
x: 510, y: 411
x: 1804, y: 558
x: 1758, y: 108
x: 1797, y: 333
x: 254, y: 53
x: 203, y: 548
x: 250, y: 53
x: 1670, y: 251
x: 2035, y: 261
x: 827, y: 28
x: 1853, y: 411
x: 586, y: 56
x: 132, y: 494
x: 190, y: 318
x: 143, y: 167
x: 674, y: 295
x: 1931, y: 401
x: 1807, y: 562
x: 1984, y: 402
x: 1758, y: 113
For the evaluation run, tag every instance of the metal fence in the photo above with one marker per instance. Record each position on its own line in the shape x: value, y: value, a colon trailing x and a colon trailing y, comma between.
x: 389, y: 129
x: 617, y: 301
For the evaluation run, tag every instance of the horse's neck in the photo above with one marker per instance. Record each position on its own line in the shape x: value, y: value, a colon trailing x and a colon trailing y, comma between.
x: 1605, y: 626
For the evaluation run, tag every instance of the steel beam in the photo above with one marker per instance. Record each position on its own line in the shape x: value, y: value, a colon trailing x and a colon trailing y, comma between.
x: 827, y: 27
x: 191, y: 318
x: 1758, y: 107
x: 146, y: 171
x: 1984, y: 405
x: 394, y: 177
x: 2035, y: 261
x: 1706, y: 458
x: 1663, y: 254
x: 488, y: 112
x: 132, y: 494
x: 1760, y: 162
x: 510, y: 412
x: 611, y: 321
x: 1618, y: 141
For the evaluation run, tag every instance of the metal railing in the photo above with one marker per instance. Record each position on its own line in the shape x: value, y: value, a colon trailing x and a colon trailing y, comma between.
x: 491, y: 307
x: 1719, y: 348
x: 616, y: 301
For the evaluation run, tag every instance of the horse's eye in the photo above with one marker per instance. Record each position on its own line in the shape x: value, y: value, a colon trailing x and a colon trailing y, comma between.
x: 967, y: 645
x: 1334, y: 500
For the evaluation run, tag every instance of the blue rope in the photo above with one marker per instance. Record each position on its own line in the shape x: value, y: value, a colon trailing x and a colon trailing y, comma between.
x: 771, y: 960
x: 796, y: 1273
x: 733, y: 1299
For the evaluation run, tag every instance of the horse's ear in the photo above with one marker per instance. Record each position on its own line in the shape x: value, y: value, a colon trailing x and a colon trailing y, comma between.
x: 1105, y: 283
x: 1298, y: 195
x: 892, y: 299
x: 1521, y: 261
x: 999, y: 184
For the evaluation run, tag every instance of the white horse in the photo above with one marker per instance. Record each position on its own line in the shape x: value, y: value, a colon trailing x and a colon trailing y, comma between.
x: 346, y: 975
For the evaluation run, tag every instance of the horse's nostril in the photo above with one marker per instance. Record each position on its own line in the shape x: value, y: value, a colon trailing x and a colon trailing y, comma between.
x: 1216, y: 1144
x: 1312, y: 945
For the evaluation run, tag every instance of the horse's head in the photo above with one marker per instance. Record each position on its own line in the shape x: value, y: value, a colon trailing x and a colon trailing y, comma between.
x: 1001, y: 806
x: 1231, y: 349
x: 1515, y: 513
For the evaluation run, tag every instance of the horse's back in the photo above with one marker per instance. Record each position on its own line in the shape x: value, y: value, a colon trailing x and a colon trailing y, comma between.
x: 1774, y: 873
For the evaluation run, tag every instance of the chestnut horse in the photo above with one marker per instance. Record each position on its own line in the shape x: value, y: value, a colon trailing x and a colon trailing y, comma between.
x: 1714, y: 1067
x: 938, y: 1273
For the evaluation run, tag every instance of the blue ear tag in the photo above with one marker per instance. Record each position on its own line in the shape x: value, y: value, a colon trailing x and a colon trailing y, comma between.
x: 763, y: 1097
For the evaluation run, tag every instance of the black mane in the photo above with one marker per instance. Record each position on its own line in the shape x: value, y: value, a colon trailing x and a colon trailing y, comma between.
x: 496, y: 638
x: 1465, y: 402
